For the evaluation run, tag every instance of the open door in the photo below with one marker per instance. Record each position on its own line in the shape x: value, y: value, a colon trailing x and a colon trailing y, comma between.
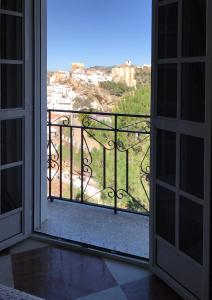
x: 15, y: 121
x: 181, y: 144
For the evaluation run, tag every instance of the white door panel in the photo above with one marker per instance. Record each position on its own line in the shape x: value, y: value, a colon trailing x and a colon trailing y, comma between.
x: 15, y: 118
x: 181, y: 144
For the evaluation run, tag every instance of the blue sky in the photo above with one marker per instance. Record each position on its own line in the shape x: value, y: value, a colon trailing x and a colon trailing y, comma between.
x: 98, y: 32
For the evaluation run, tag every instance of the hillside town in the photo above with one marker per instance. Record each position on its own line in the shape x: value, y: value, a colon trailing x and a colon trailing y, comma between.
x: 81, y: 88
x: 123, y: 88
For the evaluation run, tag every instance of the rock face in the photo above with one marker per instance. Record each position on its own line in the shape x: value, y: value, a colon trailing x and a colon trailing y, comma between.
x: 93, y: 97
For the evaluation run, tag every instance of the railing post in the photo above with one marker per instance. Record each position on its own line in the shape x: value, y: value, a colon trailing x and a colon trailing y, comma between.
x: 104, y: 168
x: 71, y: 163
x: 82, y: 167
x: 127, y: 171
x: 50, y: 159
x: 61, y: 163
x: 115, y: 165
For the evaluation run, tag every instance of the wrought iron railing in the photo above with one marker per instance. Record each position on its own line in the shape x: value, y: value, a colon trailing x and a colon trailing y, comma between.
x: 99, y: 158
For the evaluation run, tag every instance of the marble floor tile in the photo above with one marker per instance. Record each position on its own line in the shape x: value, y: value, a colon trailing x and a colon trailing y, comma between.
x: 6, y: 272
x: 27, y: 245
x: 149, y: 288
x: 57, y: 273
x: 115, y: 293
x: 124, y: 272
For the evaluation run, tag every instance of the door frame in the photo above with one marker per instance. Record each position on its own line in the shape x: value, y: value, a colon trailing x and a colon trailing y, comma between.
x: 40, y: 112
x: 40, y: 136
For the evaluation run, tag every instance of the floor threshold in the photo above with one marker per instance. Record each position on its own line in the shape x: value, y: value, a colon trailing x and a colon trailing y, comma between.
x: 89, y: 249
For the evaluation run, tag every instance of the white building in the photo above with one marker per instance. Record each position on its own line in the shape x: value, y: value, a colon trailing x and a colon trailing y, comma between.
x: 97, y: 77
x: 91, y: 77
x: 60, y: 97
x: 79, y: 75
x: 59, y: 76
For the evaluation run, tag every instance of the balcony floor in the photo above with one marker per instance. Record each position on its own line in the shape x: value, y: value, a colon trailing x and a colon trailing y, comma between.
x: 97, y: 226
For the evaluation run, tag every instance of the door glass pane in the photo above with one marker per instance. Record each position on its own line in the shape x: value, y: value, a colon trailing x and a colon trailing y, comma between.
x: 11, y: 141
x: 167, y: 90
x: 11, y: 86
x: 192, y: 165
x: 14, y: 5
x: 194, y: 28
x: 11, y: 189
x: 191, y: 229
x: 166, y: 156
x: 193, y: 92
x: 165, y: 214
x: 10, y: 37
x: 168, y: 31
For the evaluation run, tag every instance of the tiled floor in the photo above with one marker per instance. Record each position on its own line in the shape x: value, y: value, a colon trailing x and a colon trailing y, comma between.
x: 123, y: 232
x: 57, y: 273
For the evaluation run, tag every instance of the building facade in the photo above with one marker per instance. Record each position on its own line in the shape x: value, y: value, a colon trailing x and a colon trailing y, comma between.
x: 125, y: 73
x: 59, y: 76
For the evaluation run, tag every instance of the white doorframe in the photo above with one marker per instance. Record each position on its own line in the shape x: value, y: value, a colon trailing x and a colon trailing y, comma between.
x: 40, y: 112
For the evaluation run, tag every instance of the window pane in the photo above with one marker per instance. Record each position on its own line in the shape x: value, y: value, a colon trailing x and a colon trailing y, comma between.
x: 11, y: 189
x: 11, y: 141
x: 165, y: 214
x: 167, y: 90
x: 194, y: 28
x: 168, y: 31
x: 193, y: 92
x: 166, y: 156
x: 192, y: 165
x: 11, y: 86
x: 14, y: 5
x: 10, y: 37
x: 191, y: 229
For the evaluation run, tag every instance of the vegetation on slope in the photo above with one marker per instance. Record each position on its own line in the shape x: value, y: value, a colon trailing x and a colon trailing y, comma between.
x: 136, y: 102
x: 115, y: 88
x: 132, y: 102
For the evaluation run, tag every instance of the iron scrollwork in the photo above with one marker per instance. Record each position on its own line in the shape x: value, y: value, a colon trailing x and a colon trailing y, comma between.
x: 130, y: 137
x: 52, y: 161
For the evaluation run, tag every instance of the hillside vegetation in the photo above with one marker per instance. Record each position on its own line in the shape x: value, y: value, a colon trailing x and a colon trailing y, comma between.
x: 136, y: 145
x: 134, y: 102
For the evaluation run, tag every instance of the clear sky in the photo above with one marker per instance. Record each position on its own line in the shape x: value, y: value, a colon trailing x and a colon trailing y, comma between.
x: 98, y: 32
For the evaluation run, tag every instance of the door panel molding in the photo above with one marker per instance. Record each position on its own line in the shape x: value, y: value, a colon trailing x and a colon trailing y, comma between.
x: 175, y: 265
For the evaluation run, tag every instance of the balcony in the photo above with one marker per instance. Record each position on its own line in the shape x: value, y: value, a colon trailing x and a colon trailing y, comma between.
x: 98, y: 180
